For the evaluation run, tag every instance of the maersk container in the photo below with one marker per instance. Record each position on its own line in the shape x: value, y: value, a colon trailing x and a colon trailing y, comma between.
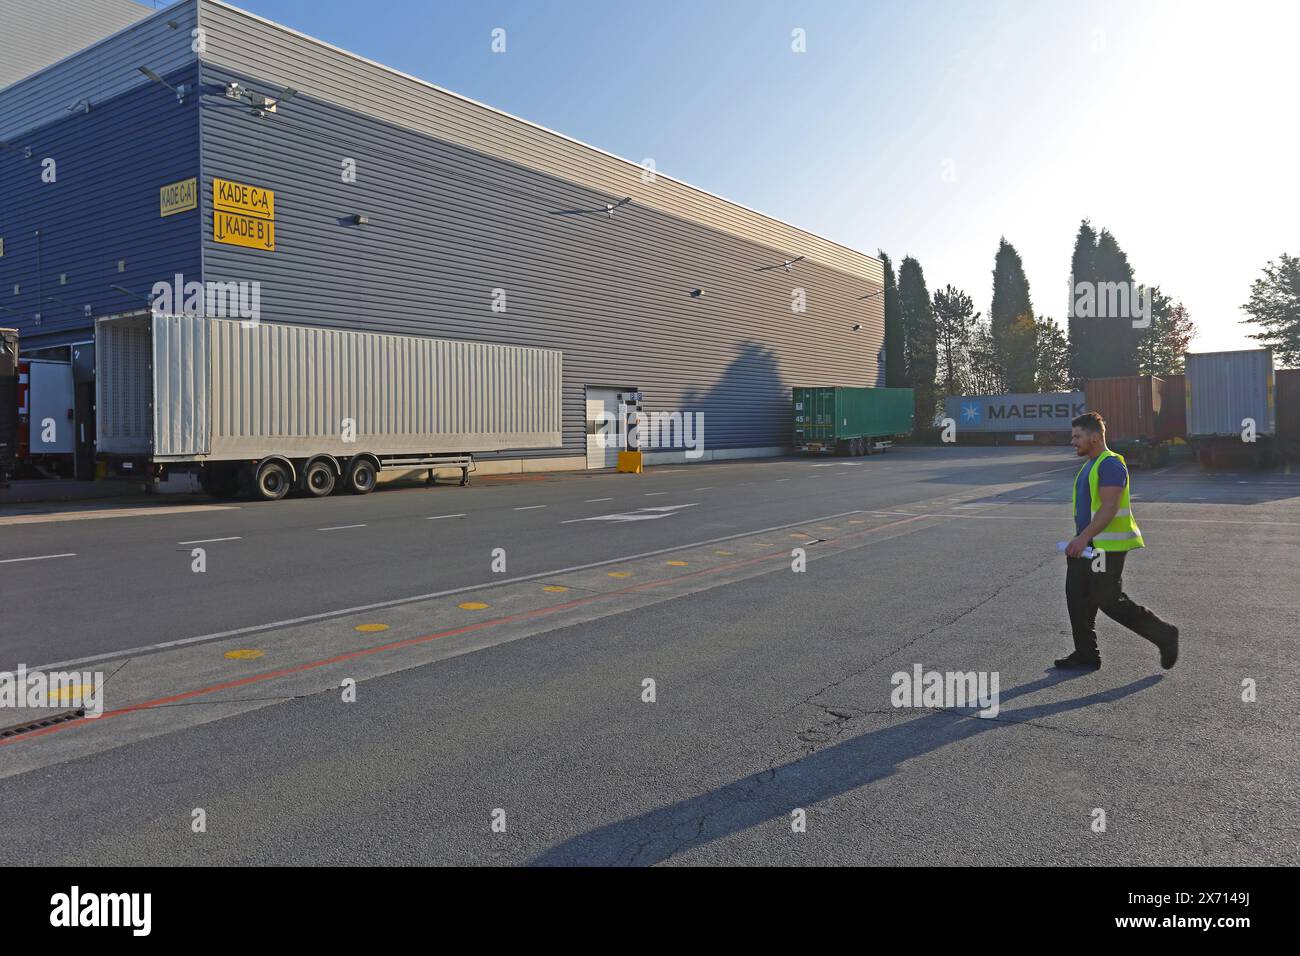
x: 263, y: 408
x: 836, y: 419
x: 1224, y: 389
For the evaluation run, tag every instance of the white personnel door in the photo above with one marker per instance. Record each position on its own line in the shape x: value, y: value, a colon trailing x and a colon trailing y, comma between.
x: 602, y: 427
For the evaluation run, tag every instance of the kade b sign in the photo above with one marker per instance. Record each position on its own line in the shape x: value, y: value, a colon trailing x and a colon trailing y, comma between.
x: 243, y: 215
x: 1015, y: 413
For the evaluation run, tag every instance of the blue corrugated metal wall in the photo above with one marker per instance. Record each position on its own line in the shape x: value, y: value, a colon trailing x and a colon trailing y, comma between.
x: 447, y: 225
x: 101, y: 208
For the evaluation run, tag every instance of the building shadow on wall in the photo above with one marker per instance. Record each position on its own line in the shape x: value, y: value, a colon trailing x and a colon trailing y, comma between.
x: 749, y: 403
x: 772, y: 794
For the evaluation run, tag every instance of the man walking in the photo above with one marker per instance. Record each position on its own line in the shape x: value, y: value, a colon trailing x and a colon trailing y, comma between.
x: 1106, y: 531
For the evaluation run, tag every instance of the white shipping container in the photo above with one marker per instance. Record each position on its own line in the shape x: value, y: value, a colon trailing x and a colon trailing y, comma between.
x: 1226, y: 388
x: 184, y: 388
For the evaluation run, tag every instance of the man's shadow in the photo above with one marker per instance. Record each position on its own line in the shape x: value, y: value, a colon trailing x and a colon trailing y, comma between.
x: 654, y: 836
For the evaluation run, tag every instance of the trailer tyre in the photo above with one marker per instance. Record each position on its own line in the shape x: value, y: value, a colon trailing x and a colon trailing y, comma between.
x: 362, y: 476
x: 318, y: 479
x: 271, y: 483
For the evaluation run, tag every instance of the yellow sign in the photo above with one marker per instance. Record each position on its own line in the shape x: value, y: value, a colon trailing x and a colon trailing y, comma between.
x: 178, y: 197
x: 243, y: 231
x: 243, y: 199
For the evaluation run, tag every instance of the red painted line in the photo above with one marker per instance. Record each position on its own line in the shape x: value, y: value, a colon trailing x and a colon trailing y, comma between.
x: 425, y: 638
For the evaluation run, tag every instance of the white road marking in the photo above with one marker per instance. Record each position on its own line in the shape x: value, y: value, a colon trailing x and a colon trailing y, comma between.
x: 41, y: 557
x: 209, y: 540
x: 783, y: 479
x: 641, y: 514
x: 529, y: 507
x: 342, y: 527
x: 258, y: 628
x: 440, y: 517
x: 100, y: 513
x: 705, y: 488
x: 651, y: 494
x: 590, y: 500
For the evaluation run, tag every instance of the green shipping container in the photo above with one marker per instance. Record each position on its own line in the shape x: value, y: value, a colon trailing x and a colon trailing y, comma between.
x: 834, y: 419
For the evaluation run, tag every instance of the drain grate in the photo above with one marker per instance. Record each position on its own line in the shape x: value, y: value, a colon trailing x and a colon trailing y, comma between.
x: 62, y: 717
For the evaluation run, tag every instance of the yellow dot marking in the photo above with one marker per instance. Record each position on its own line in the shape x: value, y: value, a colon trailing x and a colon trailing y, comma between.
x: 854, y: 521
x: 828, y: 527
x: 244, y: 654
x: 800, y: 534
x: 725, y: 554
x: 620, y: 574
x: 370, y: 628
x: 557, y: 589
x: 676, y: 564
x: 473, y: 606
x: 66, y: 695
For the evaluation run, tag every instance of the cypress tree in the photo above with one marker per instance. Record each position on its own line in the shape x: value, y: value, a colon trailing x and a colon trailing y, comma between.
x: 896, y: 374
x: 917, y: 317
x: 1011, y: 318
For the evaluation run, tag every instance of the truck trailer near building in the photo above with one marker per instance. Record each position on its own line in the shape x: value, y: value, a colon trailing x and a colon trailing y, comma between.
x: 262, y: 409
x: 850, y: 421
x: 1230, y: 405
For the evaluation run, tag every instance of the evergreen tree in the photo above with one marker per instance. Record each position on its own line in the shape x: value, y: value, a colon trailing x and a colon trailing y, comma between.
x: 1275, y: 306
x: 918, y: 326
x: 1011, y: 319
x: 1052, y: 371
x: 954, y: 324
x: 1082, y: 271
x: 1114, y: 339
x: 896, y: 374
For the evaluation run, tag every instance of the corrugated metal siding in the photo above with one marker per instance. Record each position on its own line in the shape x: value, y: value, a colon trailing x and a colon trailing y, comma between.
x: 101, y: 72
x: 448, y: 225
x: 182, y: 368
x: 124, y: 387
x: 102, y: 208
x: 38, y: 33
x: 289, y: 389
x: 243, y: 43
x: 1224, y: 388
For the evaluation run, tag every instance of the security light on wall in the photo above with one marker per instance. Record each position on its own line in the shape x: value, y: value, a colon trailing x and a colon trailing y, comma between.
x: 697, y: 293
x: 857, y: 326
x: 360, y: 220
x: 784, y: 265
x: 181, y: 91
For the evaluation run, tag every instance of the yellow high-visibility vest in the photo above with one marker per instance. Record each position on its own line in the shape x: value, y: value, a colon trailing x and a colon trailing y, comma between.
x: 1122, y: 533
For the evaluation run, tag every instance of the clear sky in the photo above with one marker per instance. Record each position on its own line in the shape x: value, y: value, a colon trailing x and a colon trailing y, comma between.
x: 922, y: 128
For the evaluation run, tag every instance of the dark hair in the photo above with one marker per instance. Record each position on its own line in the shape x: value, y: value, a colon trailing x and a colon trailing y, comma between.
x: 1090, y: 422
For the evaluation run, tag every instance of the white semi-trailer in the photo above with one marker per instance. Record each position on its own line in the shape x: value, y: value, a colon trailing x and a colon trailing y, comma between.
x: 260, y: 409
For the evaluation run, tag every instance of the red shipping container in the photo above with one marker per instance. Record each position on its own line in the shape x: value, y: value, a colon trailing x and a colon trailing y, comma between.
x: 1171, y: 422
x: 1130, y: 404
x: 1286, y: 393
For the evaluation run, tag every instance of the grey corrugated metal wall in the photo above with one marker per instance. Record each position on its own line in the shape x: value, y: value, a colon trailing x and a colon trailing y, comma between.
x: 448, y: 224
x: 38, y: 33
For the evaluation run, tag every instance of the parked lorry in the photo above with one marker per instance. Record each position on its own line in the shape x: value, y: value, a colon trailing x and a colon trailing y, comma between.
x: 262, y: 409
x: 1230, y: 406
x: 8, y: 404
x: 840, y: 420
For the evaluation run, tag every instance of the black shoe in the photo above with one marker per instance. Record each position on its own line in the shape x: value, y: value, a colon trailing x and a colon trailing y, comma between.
x: 1080, y: 662
x: 1169, y: 648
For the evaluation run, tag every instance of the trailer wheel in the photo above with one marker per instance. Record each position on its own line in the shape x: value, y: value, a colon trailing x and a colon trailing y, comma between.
x: 361, y: 476
x: 318, y: 479
x: 271, y: 483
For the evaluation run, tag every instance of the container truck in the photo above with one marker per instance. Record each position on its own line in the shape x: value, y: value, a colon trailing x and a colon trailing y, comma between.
x: 1230, y: 409
x: 835, y: 419
x: 264, y: 409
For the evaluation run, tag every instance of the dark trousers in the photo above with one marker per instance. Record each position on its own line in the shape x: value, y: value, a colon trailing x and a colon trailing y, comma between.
x: 1088, y: 591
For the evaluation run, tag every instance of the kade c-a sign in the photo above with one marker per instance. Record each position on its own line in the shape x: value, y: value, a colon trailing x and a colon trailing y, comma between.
x: 243, y: 215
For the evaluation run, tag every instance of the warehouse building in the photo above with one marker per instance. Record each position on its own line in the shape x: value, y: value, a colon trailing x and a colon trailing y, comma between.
x: 206, y: 145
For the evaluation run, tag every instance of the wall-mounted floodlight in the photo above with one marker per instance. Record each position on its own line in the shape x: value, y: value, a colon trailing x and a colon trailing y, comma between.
x: 696, y: 293
x: 181, y: 91
x: 857, y: 326
x: 784, y: 265
x: 360, y: 220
